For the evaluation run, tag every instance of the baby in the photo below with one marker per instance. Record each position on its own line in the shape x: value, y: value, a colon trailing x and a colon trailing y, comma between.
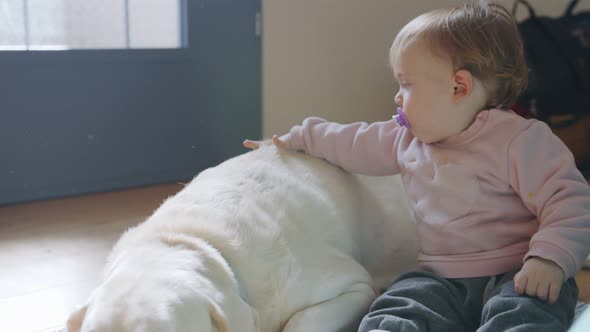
x: 502, y: 212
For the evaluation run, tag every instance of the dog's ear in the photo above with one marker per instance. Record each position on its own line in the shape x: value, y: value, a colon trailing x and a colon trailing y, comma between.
x: 237, y: 315
x: 217, y: 317
x: 233, y: 315
x: 76, y: 319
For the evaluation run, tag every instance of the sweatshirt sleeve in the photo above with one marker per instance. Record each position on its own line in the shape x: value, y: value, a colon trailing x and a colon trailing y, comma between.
x: 369, y: 149
x: 543, y: 173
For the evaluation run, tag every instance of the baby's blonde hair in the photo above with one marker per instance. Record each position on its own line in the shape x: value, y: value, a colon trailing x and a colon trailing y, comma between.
x: 481, y: 37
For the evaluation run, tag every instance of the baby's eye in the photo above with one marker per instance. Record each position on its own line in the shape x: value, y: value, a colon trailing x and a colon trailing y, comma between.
x: 404, y: 84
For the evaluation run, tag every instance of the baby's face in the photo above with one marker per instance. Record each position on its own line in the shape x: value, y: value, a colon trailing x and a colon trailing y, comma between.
x: 426, y: 92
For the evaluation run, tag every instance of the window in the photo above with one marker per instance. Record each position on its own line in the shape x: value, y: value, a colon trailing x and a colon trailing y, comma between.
x: 91, y: 24
x: 92, y: 120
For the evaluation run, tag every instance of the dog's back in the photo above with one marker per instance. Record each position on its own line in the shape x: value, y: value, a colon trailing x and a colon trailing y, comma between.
x: 291, y: 232
x: 286, y: 223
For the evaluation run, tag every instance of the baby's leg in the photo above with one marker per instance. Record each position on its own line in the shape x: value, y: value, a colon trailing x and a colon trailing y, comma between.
x: 508, y: 311
x: 340, y: 314
x: 421, y: 301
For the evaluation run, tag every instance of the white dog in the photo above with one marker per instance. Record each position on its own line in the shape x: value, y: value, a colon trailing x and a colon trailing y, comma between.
x: 267, y: 241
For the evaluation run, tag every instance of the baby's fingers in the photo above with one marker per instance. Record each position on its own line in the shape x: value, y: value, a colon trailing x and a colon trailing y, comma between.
x: 278, y: 142
x: 520, y: 283
x: 251, y: 144
x: 554, y: 290
x: 543, y: 290
x: 531, y: 286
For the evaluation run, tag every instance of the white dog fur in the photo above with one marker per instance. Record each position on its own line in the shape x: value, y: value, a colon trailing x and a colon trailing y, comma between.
x: 267, y: 241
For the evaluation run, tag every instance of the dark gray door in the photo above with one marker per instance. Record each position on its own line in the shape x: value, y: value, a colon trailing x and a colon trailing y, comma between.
x: 75, y: 122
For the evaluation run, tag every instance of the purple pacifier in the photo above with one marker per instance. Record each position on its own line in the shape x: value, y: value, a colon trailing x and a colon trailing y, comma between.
x: 401, y: 118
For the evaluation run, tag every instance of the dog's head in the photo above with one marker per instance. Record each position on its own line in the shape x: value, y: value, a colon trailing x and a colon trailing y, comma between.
x: 206, y: 317
x: 202, y: 315
x: 164, y: 290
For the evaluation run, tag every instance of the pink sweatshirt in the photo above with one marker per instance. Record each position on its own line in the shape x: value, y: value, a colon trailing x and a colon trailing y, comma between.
x: 485, y: 200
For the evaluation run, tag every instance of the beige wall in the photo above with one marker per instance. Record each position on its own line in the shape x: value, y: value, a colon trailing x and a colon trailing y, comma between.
x: 329, y: 57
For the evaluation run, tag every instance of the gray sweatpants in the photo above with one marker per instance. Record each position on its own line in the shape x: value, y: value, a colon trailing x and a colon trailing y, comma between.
x: 424, y: 302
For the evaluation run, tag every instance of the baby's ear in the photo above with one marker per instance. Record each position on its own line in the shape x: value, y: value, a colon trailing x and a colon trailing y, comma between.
x: 462, y: 84
x: 76, y: 319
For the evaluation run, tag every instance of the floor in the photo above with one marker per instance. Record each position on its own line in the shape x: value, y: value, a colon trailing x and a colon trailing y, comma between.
x: 51, y: 253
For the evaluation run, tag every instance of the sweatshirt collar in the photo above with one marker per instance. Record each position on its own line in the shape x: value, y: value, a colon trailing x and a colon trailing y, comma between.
x: 468, y: 133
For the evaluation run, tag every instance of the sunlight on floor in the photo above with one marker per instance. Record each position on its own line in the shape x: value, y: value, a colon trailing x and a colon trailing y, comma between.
x: 52, y: 253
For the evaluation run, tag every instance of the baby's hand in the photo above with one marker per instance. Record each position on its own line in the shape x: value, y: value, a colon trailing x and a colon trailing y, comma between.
x: 541, y: 278
x: 256, y: 144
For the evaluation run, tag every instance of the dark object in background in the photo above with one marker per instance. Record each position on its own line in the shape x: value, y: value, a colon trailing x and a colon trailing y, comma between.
x: 557, y: 51
x: 577, y: 138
